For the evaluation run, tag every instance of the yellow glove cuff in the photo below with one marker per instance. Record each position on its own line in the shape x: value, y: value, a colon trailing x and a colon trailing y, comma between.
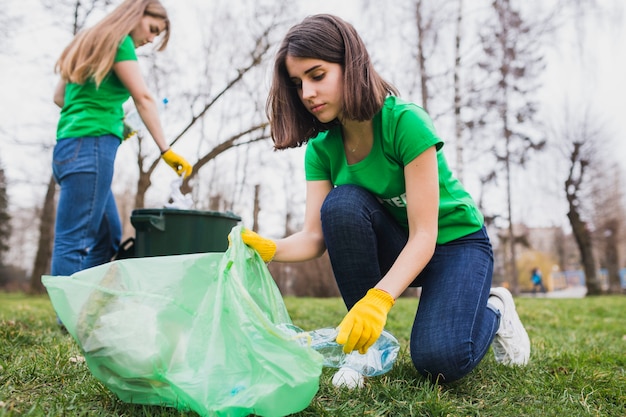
x: 380, y: 298
x: 265, y: 247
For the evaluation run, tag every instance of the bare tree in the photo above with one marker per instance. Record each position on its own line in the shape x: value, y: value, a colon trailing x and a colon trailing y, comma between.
x: 582, y: 141
x: 424, y: 28
x: 5, y: 218
x: 46, y: 236
x: 512, y: 47
x: 458, y: 122
x: 608, y: 209
x: 612, y: 230
x: 74, y: 14
x: 204, y: 105
x: 580, y: 227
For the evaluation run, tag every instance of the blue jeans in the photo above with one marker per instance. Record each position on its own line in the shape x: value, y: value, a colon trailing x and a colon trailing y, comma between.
x: 453, y: 326
x: 88, y: 229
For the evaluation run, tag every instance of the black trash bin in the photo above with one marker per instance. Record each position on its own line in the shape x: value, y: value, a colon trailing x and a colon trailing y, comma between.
x: 165, y: 231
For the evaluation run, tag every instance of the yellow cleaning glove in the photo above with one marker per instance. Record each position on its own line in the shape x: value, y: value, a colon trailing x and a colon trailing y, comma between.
x: 177, y: 162
x: 365, y: 321
x: 265, y: 247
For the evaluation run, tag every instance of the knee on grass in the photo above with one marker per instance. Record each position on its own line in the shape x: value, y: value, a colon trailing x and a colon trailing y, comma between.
x: 441, y: 366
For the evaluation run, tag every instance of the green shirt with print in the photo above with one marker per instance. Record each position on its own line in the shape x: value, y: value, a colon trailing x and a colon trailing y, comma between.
x: 402, y: 131
x: 97, y: 111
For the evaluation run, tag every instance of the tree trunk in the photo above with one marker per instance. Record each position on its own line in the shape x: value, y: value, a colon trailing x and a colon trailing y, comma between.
x: 46, y: 237
x: 611, y: 254
x: 421, y: 58
x: 512, y: 241
x: 458, y: 122
x: 143, y: 183
x: 257, y: 208
x: 508, y: 160
x: 583, y: 240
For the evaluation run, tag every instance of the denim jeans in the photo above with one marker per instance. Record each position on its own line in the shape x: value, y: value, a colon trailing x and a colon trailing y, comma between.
x: 88, y: 229
x: 453, y: 326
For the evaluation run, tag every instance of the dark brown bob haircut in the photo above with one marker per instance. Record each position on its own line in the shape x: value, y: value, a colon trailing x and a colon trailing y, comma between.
x: 334, y: 40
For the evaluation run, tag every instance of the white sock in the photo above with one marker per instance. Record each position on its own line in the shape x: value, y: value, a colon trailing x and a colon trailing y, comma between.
x: 496, y: 303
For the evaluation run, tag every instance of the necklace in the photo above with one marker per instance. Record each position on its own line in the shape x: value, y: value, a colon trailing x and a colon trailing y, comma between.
x: 356, y: 146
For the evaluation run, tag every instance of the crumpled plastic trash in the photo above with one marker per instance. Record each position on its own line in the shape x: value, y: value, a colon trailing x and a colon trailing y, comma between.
x: 178, y: 200
x: 378, y: 360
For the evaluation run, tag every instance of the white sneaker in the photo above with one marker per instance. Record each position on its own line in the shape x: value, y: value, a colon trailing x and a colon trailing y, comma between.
x: 511, y: 344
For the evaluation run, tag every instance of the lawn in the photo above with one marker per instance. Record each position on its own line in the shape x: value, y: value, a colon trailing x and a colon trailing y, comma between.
x: 577, y: 368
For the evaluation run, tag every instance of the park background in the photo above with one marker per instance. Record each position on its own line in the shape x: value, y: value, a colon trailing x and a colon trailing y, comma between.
x: 527, y: 95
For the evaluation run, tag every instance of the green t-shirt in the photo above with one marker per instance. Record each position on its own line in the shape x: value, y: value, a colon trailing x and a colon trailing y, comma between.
x: 402, y: 131
x: 91, y: 111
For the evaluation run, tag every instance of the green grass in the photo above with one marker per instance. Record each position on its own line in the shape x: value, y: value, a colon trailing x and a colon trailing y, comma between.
x: 577, y: 368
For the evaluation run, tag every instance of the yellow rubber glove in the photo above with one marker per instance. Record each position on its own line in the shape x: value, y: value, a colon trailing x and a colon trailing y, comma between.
x: 177, y: 162
x: 265, y: 247
x: 365, y: 321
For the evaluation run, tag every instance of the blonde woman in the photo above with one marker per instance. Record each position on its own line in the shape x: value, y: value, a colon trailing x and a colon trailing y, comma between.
x: 99, y: 72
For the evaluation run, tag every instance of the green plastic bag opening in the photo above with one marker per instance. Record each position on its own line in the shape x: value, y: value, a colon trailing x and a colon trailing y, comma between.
x: 195, y: 332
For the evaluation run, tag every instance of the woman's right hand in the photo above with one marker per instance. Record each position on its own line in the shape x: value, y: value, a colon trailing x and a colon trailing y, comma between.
x: 365, y: 321
x: 177, y: 162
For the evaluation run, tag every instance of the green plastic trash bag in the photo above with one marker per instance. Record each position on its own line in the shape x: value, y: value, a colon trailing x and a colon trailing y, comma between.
x: 192, y: 332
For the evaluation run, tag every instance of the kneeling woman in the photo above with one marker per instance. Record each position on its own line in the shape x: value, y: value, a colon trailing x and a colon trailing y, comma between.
x: 383, y: 202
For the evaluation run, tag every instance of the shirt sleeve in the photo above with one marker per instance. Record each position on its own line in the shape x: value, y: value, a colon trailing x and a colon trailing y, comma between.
x: 314, y: 168
x: 414, y: 134
x: 126, y: 50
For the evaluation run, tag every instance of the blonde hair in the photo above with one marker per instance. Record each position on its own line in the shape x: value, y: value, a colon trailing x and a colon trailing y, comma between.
x: 91, y: 53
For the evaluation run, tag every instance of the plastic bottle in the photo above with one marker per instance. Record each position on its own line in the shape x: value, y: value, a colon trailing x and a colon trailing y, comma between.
x: 378, y: 359
x: 134, y: 122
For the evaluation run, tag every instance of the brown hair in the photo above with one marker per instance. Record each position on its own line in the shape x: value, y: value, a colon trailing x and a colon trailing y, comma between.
x: 334, y: 40
x: 91, y: 53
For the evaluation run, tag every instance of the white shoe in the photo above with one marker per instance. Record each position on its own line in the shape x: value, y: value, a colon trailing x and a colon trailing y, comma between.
x: 511, y: 344
x: 348, y: 378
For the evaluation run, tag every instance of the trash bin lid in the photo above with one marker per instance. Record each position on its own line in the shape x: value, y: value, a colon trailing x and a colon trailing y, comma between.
x: 178, y: 212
